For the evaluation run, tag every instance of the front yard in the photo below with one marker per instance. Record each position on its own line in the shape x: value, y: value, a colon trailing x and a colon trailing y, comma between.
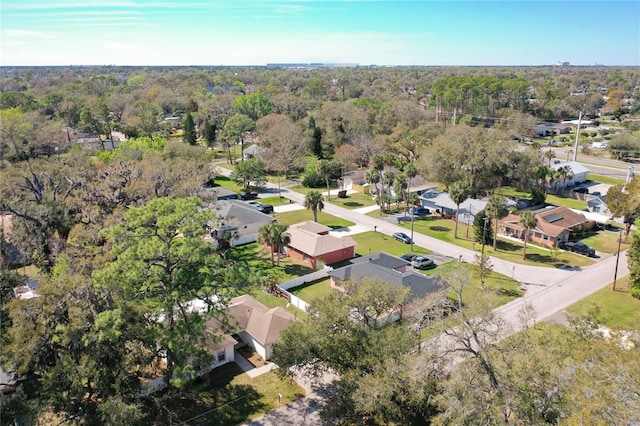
x: 443, y: 229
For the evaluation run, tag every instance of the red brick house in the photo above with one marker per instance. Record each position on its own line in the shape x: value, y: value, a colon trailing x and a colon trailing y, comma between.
x: 311, y: 242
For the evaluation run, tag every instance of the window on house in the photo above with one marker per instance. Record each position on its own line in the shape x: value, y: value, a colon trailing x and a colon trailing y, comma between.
x: 222, y: 356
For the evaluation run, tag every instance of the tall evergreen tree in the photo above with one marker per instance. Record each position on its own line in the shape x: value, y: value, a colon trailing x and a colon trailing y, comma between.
x: 189, y: 127
x: 210, y: 132
x: 316, y: 142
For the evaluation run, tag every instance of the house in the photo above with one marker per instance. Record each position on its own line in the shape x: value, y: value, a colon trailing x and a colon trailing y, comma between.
x: 387, y: 268
x: 578, y: 171
x: 552, y: 129
x: 27, y: 291
x: 555, y: 224
x: 253, y: 151
x: 440, y: 202
x: 257, y: 325
x: 239, y: 218
x: 356, y: 180
x: 598, y: 204
x: 222, y: 346
x: 311, y: 242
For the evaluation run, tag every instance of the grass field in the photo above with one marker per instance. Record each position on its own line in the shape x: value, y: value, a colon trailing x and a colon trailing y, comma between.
x: 289, y: 218
x: 605, y: 179
x: 443, y: 229
x: 228, y: 396
x: 354, y: 201
x: 617, y: 309
x: 314, y: 290
x: 371, y: 242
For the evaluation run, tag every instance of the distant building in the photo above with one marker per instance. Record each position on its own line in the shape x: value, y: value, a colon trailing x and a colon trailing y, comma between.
x: 562, y: 64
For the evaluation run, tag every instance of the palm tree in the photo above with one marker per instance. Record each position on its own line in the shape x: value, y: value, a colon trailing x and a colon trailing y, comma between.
x: 527, y: 220
x: 458, y: 192
x: 274, y: 235
x: 280, y: 237
x: 315, y: 202
x: 265, y: 237
x: 496, y: 209
x: 388, y: 178
x: 411, y: 171
x: 378, y: 165
x: 549, y: 155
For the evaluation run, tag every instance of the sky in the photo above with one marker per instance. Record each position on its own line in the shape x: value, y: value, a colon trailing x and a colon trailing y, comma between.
x: 372, y: 32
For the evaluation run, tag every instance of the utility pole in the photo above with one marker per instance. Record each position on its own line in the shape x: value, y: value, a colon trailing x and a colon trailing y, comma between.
x: 484, y: 234
x: 575, y: 149
x: 615, y: 273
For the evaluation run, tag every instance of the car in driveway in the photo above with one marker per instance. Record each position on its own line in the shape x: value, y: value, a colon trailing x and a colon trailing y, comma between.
x: 578, y: 247
x: 420, y: 211
x: 581, y: 189
x: 262, y: 208
x: 247, y: 195
x: 402, y: 237
x: 421, y: 262
x: 408, y: 257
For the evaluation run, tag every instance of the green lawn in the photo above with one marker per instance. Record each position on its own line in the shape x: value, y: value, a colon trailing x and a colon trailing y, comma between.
x: 371, y: 242
x: 259, y: 260
x: 274, y: 201
x: 314, y: 290
x: 443, y: 229
x: 604, y: 241
x: 605, y: 179
x: 227, y: 183
x: 354, y: 201
x: 617, y: 309
x: 556, y: 200
x: 289, y: 218
x: 304, y: 190
x: 227, y: 396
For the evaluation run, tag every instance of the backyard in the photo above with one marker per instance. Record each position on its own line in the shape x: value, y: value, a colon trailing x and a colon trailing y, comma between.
x: 228, y: 396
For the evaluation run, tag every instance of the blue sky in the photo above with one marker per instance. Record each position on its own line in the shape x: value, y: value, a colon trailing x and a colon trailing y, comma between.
x: 247, y: 32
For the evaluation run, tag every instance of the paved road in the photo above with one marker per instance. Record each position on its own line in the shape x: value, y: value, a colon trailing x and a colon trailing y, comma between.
x: 549, y: 290
x: 600, y: 166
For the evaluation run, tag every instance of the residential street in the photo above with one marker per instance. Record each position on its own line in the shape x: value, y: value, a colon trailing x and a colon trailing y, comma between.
x: 549, y: 291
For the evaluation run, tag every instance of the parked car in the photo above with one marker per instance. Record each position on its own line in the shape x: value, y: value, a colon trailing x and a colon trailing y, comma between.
x: 581, y: 189
x: 402, y: 237
x: 420, y: 211
x: 262, y: 208
x: 408, y: 257
x: 421, y: 262
x: 578, y: 247
x: 247, y: 195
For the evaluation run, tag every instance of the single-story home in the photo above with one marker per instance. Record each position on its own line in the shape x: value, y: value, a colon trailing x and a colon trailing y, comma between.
x: 253, y: 151
x: 598, y: 204
x: 441, y: 202
x: 552, y: 129
x: 311, y: 242
x: 578, y: 170
x: 254, y: 324
x: 356, y: 180
x: 555, y: 224
x: 387, y: 268
x: 239, y: 218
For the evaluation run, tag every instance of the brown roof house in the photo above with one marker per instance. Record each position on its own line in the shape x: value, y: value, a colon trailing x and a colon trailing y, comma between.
x: 555, y: 224
x: 258, y: 326
x: 311, y: 242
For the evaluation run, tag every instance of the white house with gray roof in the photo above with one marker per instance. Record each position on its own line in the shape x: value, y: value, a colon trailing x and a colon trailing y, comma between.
x: 441, y: 203
x: 579, y: 172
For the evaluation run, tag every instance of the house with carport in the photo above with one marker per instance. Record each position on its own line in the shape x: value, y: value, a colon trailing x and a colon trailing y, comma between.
x: 239, y: 219
x: 440, y: 203
x: 555, y: 225
x: 310, y: 243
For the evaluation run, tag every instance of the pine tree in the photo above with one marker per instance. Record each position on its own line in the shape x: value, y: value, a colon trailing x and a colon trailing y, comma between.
x: 479, y: 228
x: 210, y: 132
x: 189, y: 126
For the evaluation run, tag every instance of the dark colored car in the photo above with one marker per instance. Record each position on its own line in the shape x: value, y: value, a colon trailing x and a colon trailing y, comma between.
x: 578, y: 247
x: 420, y: 211
x: 421, y: 262
x: 408, y: 257
x: 402, y: 237
x: 265, y: 208
x: 248, y: 195
x: 581, y: 189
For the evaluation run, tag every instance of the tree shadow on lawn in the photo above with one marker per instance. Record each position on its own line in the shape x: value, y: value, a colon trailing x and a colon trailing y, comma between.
x: 440, y: 228
x: 260, y: 261
x: 353, y: 204
x: 213, y: 400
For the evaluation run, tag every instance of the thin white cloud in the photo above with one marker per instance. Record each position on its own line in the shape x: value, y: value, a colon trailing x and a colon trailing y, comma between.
x: 30, y: 34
